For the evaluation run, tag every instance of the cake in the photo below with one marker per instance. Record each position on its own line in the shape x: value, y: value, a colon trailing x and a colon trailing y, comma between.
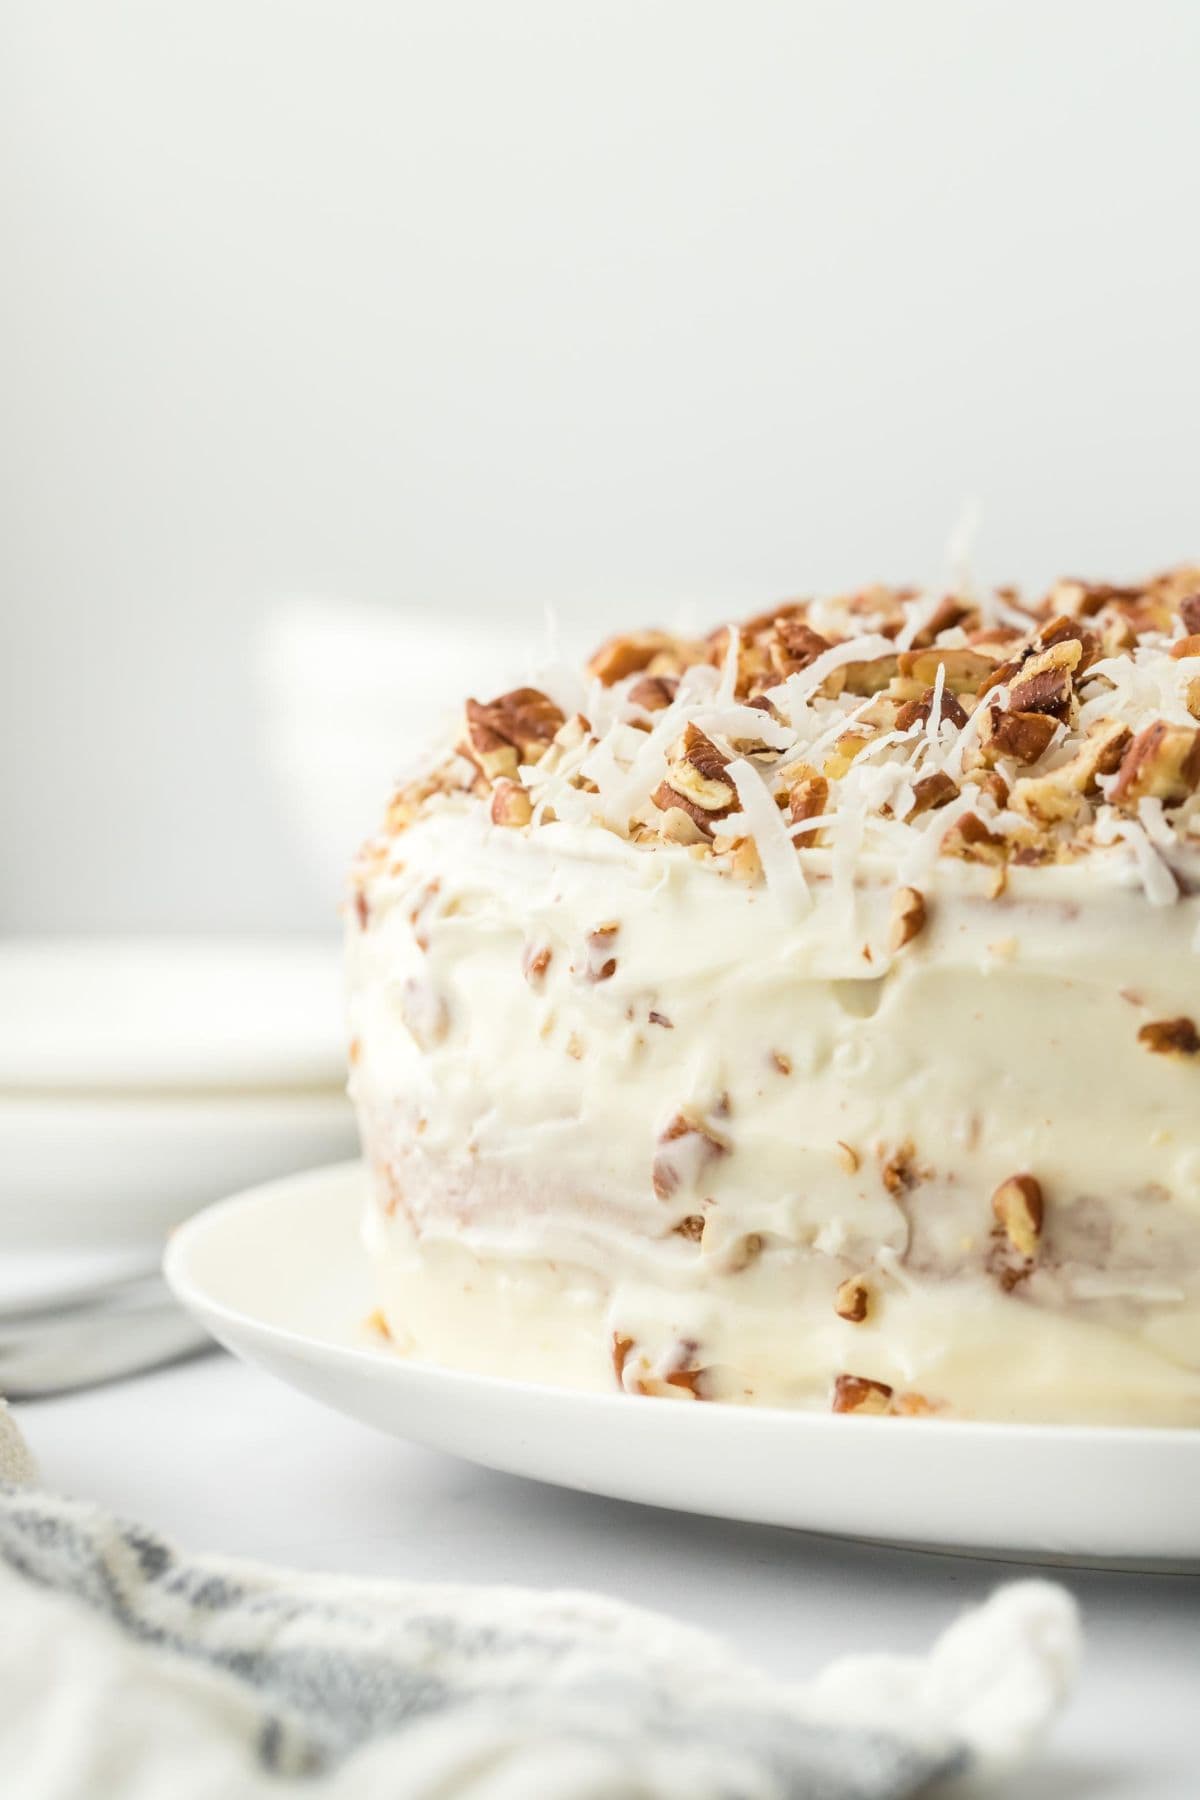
x: 806, y: 1014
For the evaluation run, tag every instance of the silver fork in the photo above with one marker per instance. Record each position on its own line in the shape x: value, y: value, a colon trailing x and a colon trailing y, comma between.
x: 79, y: 1336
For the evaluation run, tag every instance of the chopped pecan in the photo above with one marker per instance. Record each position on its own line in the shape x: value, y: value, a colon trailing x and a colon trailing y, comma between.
x: 852, y: 1300
x: 998, y: 641
x: 515, y: 728
x: 1170, y: 1037
x: 691, y: 1380
x: 1082, y: 599
x: 970, y: 838
x: 1189, y: 612
x: 932, y: 791
x: 764, y: 622
x: 881, y: 714
x: 1116, y: 633
x: 599, y: 963
x: 660, y: 652
x: 966, y: 670
x: 1162, y: 762
x: 1046, y: 683
x: 676, y: 820
x: 1025, y: 736
x: 754, y: 668
x: 859, y: 1394
x: 915, y: 712
x: 653, y: 693
x: 915, y: 1406
x: 900, y: 1172
x: 848, y: 746
x: 535, y: 962
x: 807, y: 793
x: 696, y: 782
x: 742, y: 1252
x: 738, y: 857
x: 423, y: 910
x: 993, y: 784
x: 949, y: 612
x: 691, y: 1228
x: 1060, y: 793
x: 685, y: 1147
x: 793, y: 645
x: 870, y: 677
x: 1064, y: 629
x: 908, y: 917
x: 1186, y: 646
x: 1019, y: 1211
x: 1177, y: 585
x: 511, y: 805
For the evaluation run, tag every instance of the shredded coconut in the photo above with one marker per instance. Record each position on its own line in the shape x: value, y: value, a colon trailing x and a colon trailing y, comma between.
x: 764, y: 822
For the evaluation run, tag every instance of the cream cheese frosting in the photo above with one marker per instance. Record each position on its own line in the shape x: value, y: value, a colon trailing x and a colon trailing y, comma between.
x: 700, y: 1049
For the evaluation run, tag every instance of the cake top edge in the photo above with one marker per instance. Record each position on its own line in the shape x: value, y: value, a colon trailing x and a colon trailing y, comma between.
x: 889, y: 722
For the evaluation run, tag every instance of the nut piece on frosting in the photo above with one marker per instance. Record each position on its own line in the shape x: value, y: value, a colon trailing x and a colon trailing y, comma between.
x: 1170, y: 1037
x: 1019, y: 1211
x: 859, y: 1394
x: 684, y: 1149
x: 908, y: 917
x: 852, y: 1301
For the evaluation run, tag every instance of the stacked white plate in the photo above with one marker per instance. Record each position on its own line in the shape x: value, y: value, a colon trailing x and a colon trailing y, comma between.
x: 140, y: 1079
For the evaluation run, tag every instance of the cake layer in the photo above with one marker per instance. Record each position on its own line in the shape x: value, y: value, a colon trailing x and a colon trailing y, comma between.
x: 630, y: 1096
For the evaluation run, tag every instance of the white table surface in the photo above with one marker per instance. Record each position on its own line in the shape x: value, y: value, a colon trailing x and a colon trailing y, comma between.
x: 223, y: 1458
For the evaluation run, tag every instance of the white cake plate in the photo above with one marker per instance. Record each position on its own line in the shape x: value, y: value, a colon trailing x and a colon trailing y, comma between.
x: 279, y: 1276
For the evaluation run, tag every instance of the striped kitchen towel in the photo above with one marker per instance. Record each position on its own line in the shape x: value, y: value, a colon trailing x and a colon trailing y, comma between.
x: 130, y: 1671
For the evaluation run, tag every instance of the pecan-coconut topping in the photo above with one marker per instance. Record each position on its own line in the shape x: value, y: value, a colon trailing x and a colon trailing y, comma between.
x: 910, y: 726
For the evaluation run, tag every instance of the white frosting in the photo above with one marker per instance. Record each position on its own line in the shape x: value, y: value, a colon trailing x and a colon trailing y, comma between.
x: 514, y: 1119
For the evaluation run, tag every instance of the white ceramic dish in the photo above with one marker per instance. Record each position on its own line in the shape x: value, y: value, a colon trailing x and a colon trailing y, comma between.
x: 148, y: 1014
x: 279, y: 1276
x: 141, y: 1078
x: 82, y: 1171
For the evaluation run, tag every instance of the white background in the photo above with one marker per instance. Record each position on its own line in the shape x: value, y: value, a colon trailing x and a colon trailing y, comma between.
x: 469, y: 307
